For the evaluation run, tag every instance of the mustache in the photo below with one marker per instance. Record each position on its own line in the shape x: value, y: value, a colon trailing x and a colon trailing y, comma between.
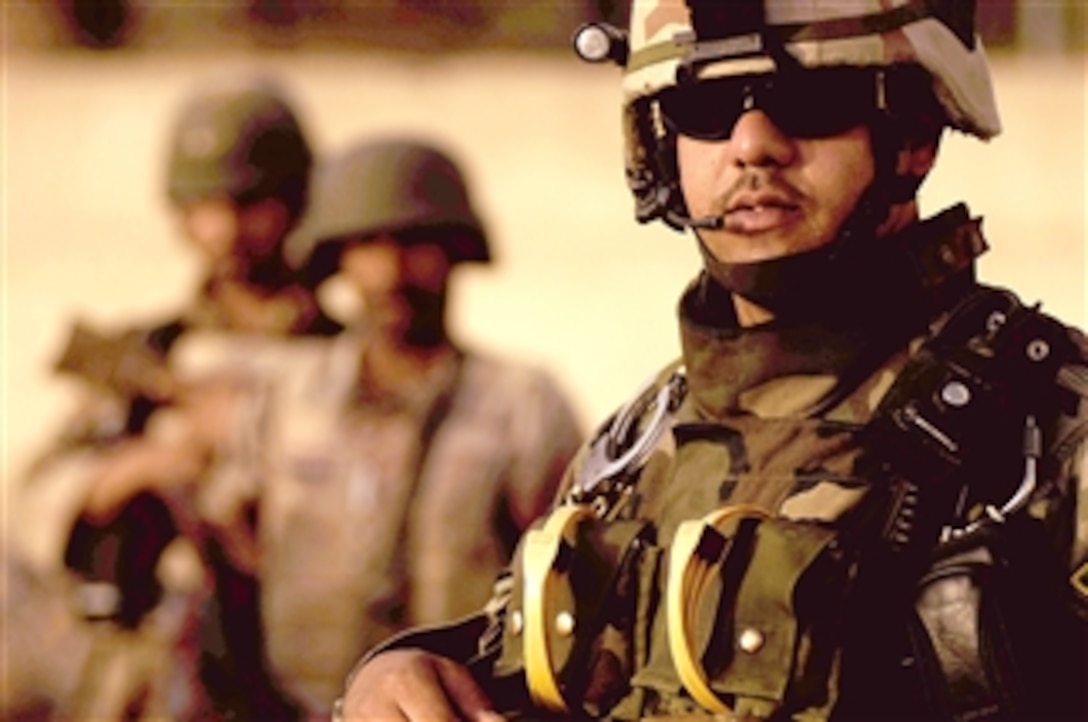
x: 752, y: 181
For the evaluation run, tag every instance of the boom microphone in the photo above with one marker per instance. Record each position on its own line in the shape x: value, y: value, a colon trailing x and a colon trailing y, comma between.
x: 710, y: 222
x: 680, y: 221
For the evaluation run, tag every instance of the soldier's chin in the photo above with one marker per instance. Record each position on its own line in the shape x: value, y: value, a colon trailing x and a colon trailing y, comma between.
x: 423, y: 336
x: 391, y: 323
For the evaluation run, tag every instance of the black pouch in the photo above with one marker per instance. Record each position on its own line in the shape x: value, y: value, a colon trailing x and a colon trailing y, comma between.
x: 996, y: 635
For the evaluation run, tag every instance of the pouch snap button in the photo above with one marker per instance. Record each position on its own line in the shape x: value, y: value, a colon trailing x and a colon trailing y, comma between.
x: 564, y: 624
x: 750, y: 640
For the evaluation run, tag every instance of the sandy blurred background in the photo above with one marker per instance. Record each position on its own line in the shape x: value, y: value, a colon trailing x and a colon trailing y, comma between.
x: 578, y: 285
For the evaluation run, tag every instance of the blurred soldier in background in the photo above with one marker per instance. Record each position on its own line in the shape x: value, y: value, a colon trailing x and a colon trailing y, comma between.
x: 238, y: 177
x: 403, y: 466
x: 862, y: 493
x: 337, y: 490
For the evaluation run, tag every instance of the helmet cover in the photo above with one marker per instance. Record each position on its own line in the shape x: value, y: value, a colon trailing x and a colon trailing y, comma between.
x: 242, y: 140
x: 393, y: 185
x: 675, y: 41
x: 722, y: 39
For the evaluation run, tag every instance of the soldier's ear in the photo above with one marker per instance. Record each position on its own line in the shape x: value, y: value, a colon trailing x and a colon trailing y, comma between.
x: 923, y: 156
x: 917, y: 158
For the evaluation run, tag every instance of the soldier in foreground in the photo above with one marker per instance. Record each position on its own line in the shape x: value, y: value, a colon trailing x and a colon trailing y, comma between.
x: 860, y: 493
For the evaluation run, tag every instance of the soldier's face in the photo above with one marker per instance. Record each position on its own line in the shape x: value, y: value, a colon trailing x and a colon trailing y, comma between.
x: 225, y: 231
x: 777, y: 195
x: 403, y: 287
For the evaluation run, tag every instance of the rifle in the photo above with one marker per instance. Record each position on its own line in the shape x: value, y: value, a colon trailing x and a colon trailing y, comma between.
x: 130, y: 365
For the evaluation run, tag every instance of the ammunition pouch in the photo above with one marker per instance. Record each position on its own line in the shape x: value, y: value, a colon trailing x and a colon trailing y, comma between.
x: 569, y: 621
x: 738, y: 640
x: 750, y: 606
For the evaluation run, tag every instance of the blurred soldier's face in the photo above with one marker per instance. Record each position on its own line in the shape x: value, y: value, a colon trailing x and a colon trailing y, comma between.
x: 777, y: 194
x: 228, y: 233
x: 402, y: 284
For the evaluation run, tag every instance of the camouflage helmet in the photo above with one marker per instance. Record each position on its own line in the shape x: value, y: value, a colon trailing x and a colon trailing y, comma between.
x: 673, y: 41
x: 392, y: 185
x: 240, y: 139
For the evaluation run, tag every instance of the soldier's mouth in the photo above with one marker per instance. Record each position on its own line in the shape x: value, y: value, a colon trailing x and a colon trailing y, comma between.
x: 760, y: 217
x: 757, y: 205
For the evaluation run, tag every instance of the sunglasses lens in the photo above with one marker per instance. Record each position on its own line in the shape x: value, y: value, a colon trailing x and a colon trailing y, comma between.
x: 823, y: 103
x: 707, y: 111
x: 815, y: 104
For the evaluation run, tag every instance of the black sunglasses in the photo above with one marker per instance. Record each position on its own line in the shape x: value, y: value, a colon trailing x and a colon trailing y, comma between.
x: 803, y: 104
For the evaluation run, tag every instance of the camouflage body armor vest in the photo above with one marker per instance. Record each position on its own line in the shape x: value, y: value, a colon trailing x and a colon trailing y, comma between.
x: 802, y: 523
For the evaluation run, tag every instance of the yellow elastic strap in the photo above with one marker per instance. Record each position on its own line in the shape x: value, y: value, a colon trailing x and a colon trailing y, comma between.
x: 688, y: 577
x: 1079, y: 580
x: 541, y: 551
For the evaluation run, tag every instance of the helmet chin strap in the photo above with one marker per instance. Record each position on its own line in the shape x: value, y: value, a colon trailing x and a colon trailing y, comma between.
x: 807, y: 283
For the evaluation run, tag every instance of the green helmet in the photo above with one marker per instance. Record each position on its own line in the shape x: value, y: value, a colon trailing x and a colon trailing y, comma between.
x: 671, y: 42
x: 241, y: 140
x: 392, y: 185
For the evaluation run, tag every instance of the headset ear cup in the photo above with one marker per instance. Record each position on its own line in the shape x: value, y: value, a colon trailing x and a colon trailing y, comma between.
x: 652, y: 173
x: 676, y: 214
x: 639, y: 141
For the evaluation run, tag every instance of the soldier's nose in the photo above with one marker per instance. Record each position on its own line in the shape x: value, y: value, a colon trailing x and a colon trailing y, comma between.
x: 757, y: 141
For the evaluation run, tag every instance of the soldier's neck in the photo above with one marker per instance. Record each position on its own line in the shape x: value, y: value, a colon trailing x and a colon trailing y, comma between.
x: 750, y: 314
x: 392, y: 365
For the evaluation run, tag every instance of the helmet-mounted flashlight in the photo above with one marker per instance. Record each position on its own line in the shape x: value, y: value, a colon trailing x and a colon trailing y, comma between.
x: 598, y: 42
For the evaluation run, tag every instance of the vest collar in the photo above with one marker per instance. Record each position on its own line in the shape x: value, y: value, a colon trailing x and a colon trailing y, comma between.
x: 807, y: 358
